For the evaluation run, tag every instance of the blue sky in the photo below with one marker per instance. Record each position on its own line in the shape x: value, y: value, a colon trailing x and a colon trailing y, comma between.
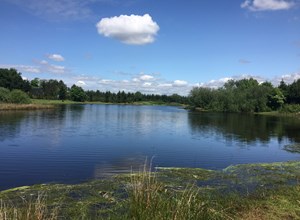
x: 152, y: 46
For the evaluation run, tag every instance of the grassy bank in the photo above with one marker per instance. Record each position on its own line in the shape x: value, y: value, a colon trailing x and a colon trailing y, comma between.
x: 278, y: 113
x: 50, y: 104
x: 253, y: 191
x: 6, y: 106
x: 66, y: 102
x: 53, y: 102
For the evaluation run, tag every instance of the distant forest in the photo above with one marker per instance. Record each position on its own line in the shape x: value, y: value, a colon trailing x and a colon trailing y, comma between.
x: 53, y: 89
x: 246, y: 95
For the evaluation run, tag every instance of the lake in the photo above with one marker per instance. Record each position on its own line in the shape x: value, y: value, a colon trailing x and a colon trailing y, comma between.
x: 75, y: 143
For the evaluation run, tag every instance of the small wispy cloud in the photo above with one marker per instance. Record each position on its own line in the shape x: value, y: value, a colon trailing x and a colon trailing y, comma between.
x: 180, y: 83
x: 80, y: 83
x: 41, y: 67
x: 129, y: 29
x: 146, y: 77
x: 287, y: 78
x: 56, y: 69
x: 23, y: 68
x: 56, y: 57
x: 267, y: 5
x: 58, y: 10
x: 296, y: 43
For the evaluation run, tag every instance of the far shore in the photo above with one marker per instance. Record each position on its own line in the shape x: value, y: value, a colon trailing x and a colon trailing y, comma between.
x: 51, y: 104
x: 37, y: 104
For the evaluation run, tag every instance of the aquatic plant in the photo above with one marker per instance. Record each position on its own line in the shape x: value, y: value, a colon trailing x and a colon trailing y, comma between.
x: 248, y: 191
x: 293, y: 148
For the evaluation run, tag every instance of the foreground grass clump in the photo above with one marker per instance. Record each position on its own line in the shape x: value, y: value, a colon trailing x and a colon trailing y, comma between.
x: 33, y: 209
x: 249, y: 191
x: 151, y: 199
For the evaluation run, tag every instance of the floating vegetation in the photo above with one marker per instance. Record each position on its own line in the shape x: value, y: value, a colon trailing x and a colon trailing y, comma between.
x: 293, y: 148
x: 247, y: 191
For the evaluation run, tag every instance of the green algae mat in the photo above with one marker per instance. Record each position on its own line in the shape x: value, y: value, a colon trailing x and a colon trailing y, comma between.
x: 248, y: 191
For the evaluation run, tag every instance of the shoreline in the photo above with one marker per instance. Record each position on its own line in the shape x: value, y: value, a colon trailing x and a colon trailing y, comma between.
x: 245, y: 191
x: 51, y: 104
x: 13, y: 107
x: 184, y: 172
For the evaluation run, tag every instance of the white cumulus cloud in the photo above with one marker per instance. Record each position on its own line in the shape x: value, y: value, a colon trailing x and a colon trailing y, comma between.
x: 56, y: 57
x: 56, y: 69
x: 267, y: 5
x: 80, y: 83
x: 147, y: 84
x: 129, y: 29
x: 180, y: 83
x: 146, y: 77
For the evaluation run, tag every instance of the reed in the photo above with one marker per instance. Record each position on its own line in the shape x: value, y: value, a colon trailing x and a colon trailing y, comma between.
x: 29, y: 210
x: 6, y: 106
x: 150, y: 199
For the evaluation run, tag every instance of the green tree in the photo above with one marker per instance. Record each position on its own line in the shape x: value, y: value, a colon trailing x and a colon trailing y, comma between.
x: 77, y: 94
x: 138, y: 96
x: 11, y: 79
x: 294, y: 92
x: 4, y: 95
x: 276, y: 99
x: 50, y: 88
x: 201, y: 97
x: 245, y: 95
x: 284, y: 88
x: 63, y: 89
x: 35, y: 83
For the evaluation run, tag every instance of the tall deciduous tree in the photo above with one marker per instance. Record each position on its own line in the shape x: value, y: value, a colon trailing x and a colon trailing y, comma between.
x: 63, y: 89
x: 77, y: 94
x: 11, y: 79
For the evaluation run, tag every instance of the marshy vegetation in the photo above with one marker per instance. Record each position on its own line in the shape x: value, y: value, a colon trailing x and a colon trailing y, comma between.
x: 10, y: 106
x: 254, y: 191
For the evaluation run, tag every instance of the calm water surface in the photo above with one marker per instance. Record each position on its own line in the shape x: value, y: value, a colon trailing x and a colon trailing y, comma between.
x: 79, y: 142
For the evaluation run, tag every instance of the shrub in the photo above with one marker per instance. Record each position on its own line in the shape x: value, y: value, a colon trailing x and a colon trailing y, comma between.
x: 19, y: 97
x: 291, y: 108
x: 4, y: 95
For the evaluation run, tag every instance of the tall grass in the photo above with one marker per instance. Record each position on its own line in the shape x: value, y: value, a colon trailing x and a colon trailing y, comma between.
x: 28, y: 210
x: 150, y: 199
x: 7, y: 106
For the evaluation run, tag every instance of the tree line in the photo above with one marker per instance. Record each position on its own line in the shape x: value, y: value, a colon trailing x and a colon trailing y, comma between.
x: 248, y: 95
x: 11, y: 80
x: 245, y: 95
